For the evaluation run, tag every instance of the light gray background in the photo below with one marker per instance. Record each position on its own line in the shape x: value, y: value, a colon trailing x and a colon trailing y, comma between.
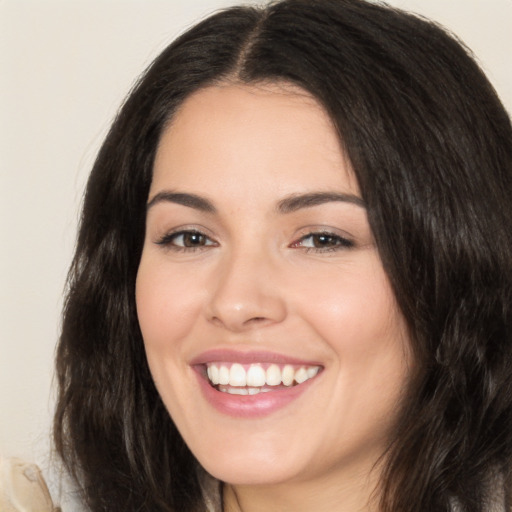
x: 65, y: 67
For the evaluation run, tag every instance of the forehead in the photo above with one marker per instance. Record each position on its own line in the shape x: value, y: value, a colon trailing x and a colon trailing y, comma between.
x: 261, y: 135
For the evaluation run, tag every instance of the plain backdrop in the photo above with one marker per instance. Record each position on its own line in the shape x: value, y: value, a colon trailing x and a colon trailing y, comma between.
x: 65, y: 67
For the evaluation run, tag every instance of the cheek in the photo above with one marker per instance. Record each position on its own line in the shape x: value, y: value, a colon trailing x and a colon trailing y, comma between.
x: 355, y: 314
x: 167, y: 309
x: 167, y: 306
x: 353, y: 308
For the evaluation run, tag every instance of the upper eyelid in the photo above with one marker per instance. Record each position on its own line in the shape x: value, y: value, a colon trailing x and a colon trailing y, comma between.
x: 324, y: 230
x: 181, y: 232
x: 346, y: 243
x: 347, y: 240
x: 167, y: 241
x: 185, y: 228
x: 161, y: 236
x: 325, y: 233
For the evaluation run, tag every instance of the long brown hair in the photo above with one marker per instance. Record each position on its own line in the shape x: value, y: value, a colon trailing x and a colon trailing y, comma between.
x: 431, y: 146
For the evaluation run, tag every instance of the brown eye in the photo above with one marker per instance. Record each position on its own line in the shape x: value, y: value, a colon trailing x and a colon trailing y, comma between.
x: 321, y: 242
x: 186, y: 240
x: 191, y: 239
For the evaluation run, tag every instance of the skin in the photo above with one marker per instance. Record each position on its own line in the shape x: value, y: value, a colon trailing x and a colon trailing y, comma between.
x: 259, y: 279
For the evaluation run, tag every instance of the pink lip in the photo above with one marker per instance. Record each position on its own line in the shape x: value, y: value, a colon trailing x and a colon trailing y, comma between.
x: 248, y: 406
x: 235, y: 356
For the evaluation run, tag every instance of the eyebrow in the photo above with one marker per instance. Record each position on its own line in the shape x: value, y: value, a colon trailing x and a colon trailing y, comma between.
x: 299, y: 201
x: 190, y: 200
x: 287, y: 205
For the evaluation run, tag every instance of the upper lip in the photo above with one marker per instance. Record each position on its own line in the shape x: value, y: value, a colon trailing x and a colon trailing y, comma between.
x: 248, y: 357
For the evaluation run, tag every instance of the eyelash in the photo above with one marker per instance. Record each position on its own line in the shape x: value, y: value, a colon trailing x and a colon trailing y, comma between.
x: 337, y: 242
x: 169, y: 240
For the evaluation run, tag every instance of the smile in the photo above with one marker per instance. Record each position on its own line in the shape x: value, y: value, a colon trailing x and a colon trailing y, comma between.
x: 252, y: 379
x: 252, y: 384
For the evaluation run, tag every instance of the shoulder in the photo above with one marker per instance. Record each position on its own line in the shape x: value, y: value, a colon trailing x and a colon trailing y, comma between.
x: 22, y: 487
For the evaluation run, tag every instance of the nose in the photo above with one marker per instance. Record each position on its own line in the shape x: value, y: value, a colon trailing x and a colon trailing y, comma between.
x: 247, y: 293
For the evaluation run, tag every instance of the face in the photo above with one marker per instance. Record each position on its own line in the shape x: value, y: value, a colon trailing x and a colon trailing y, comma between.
x: 270, y: 327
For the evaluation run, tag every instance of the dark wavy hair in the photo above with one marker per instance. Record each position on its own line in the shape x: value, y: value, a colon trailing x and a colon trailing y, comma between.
x: 431, y: 146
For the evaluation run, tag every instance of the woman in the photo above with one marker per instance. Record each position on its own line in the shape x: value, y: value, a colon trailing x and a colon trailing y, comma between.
x: 293, y: 278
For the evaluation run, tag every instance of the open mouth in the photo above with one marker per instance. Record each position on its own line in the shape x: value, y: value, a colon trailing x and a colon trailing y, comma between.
x: 255, y: 378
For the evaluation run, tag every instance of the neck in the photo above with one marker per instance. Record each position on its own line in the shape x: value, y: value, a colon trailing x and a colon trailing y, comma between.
x: 350, y: 494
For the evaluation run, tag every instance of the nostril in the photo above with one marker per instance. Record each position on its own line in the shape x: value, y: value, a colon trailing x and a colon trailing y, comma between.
x: 256, y: 320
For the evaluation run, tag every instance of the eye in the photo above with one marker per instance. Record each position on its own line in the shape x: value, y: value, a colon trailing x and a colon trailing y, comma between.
x: 186, y: 240
x: 323, y: 242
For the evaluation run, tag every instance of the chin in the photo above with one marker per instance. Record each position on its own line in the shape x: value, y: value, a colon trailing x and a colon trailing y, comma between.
x: 251, y: 467
x: 250, y: 474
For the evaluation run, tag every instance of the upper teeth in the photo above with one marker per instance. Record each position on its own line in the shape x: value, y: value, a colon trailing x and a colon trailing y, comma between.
x: 255, y: 375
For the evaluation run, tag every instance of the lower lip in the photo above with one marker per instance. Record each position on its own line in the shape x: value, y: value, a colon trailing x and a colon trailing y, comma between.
x: 250, y: 406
